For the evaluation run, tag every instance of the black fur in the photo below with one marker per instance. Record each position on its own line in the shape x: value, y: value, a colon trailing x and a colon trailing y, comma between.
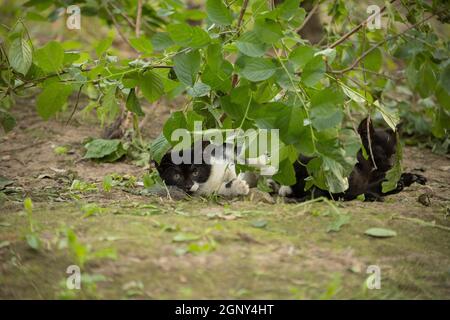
x: 365, y: 178
x: 183, y: 175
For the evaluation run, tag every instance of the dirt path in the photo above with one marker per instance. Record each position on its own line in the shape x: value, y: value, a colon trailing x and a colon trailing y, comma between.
x: 132, y: 246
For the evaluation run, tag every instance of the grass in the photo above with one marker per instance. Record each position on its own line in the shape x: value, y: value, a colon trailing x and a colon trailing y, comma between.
x: 197, y: 249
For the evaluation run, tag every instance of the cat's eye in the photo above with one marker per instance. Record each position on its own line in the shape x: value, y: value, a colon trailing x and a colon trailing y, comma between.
x: 177, y: 176
x: 195, y: 173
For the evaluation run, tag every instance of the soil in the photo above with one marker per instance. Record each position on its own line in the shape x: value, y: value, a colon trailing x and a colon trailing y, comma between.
x: 147, y: 246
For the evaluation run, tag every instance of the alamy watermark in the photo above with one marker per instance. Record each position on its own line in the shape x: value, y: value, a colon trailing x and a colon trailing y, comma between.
x: 73, y: 281
x: 374, y: 20
x: 73, y: 21
x: 254, y: 147
x: 374, y: 280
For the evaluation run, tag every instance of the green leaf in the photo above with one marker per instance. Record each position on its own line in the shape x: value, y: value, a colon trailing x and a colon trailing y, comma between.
x: 259, y: 224
x: 328, y: 54
x: 263, y: 185
x: 288, y: 9
x: 103, y: 45
x: 258, y: 69
x: 159, y: 148
x: 52, y: 99
x: 28, y: 206
x: 218, y: 13
x: 133, y: 104
x: 151, y: 85
x: 142, y: 44
x: 70, y: 57
x: 285, y: 174
x: 391, y: 117
x: 427, y: 80
x: 326, y: 111
x: 394, y: 174
x: 186, y: 66
x: 301, y: 55
x: 219, y: 79
x: 268, y: 30
x: 314, y: 71
x: 20, y: 55
x: 374, y: 60
x: 334, y: 175
x: 187, y: 36
x: 217, y: 73
x: 7, y: 121
x: 250, y: 44
x: 109, y: 108
x: 443, y: 98
x: 162, y: 41
x: 50, y: 58
x: 33, y: 241
x: 107, y: 183
x: 199, y: 90
x: 185, y: 237
x: 290, y: 124
x: 445, y: 79
x: 191, y: 118
x: 177, y: 120
x: 380, y: 233
x: 340, y: 221
x: 104, y: 150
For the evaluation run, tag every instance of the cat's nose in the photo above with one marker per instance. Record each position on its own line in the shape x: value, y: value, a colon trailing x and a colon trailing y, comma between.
x: 194, y: 187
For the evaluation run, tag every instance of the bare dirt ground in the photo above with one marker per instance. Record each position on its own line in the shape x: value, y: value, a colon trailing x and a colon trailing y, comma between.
x: 134, y: 246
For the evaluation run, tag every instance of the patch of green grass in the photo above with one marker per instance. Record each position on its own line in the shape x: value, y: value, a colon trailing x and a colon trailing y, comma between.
x: 198, y: 249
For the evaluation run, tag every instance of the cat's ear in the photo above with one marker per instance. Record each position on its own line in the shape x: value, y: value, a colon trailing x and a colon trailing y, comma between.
x: 362, y: 129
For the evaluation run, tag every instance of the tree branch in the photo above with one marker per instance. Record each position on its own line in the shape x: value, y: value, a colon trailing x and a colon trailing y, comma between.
x: 127, y: 18
x: 357, y: 61
x: 138, y: 18
x: 357, y: 28
x: 235, y: 79
x: 117, y: 26
x: 241, y: 14
x: 308, y: 17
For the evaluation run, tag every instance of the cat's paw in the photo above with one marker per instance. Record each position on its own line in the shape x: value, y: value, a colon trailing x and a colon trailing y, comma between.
x: 373, y: 197
x: 420, y: 179
x: 284, y: 191
x: 272, y: 184
x: 240, y: 187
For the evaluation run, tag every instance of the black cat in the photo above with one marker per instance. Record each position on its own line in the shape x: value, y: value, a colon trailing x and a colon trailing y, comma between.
x: 368, y: 174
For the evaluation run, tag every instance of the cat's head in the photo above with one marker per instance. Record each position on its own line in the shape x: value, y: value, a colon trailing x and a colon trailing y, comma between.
x: 383, y: 143
x: 186, y: 176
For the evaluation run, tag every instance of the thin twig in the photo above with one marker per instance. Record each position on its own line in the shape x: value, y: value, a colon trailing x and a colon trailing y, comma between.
x: 241, y: 14
x: 235, y: 78
x: 357, y: 61
x: 117, y: 26
x: 357, y: 28
x: 138, y: 18
x: 369, y: 139
x: 421, y: 222
x: 76, y: 105
x: 379, y: 74
x: 127, y: 18
x: 308, y: 17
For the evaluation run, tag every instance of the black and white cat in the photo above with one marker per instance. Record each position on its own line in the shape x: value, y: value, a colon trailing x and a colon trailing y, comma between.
x: 215, y: 173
